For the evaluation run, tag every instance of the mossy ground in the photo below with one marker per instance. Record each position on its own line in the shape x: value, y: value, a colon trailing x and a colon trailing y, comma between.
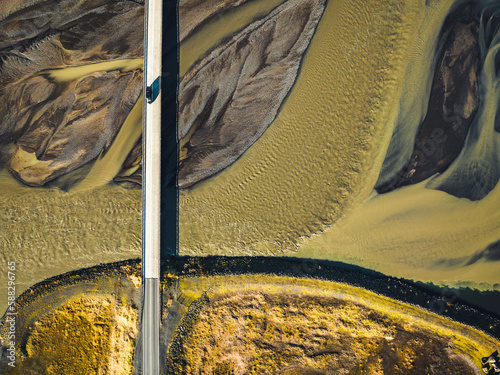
x: 86, y: 335
x: 263, y: 324
x: 238, y: 324
x: 266, y: 333
x: 85, y: 322
x: 73, y: 339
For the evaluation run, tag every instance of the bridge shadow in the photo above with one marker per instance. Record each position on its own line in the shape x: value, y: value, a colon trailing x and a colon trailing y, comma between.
x: 169, y: 145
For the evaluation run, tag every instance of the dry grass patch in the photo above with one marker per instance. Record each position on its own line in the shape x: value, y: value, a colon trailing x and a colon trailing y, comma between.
x: 270, y: 333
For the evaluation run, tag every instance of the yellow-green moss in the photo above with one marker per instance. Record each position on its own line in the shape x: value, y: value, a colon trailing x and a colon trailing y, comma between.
x: 74, y: 339
x: 262, y: 324
x: 88, y: 334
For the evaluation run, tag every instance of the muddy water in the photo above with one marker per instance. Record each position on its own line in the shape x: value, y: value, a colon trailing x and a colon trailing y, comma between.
x: 444, y: 229
x: 72, y: 73
x: 311, y: 175
x: 316, y: 158
x: 417, y: 233
x: 47, y: 231
x: 108, y: 165
x: 326, y: 147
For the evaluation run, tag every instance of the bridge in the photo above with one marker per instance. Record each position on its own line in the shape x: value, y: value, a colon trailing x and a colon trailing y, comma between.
x: 151, y: 209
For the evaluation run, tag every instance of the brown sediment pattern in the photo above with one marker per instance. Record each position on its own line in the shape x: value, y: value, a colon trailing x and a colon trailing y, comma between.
x: 109, y: 164
x: 65, y: 130
x: 62, y: 65
x: 219, y: 28
x: 70, y: 79
x: 315, y: 159
x: 453, y: 103
x: 220, y: 116
x: 193, y: 13
x: 132, y: 166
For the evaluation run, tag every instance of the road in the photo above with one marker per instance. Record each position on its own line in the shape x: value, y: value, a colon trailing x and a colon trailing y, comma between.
x: 151, y: 189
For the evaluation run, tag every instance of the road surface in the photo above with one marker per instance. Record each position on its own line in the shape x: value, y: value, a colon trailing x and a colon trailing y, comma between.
x: 151, y: 189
